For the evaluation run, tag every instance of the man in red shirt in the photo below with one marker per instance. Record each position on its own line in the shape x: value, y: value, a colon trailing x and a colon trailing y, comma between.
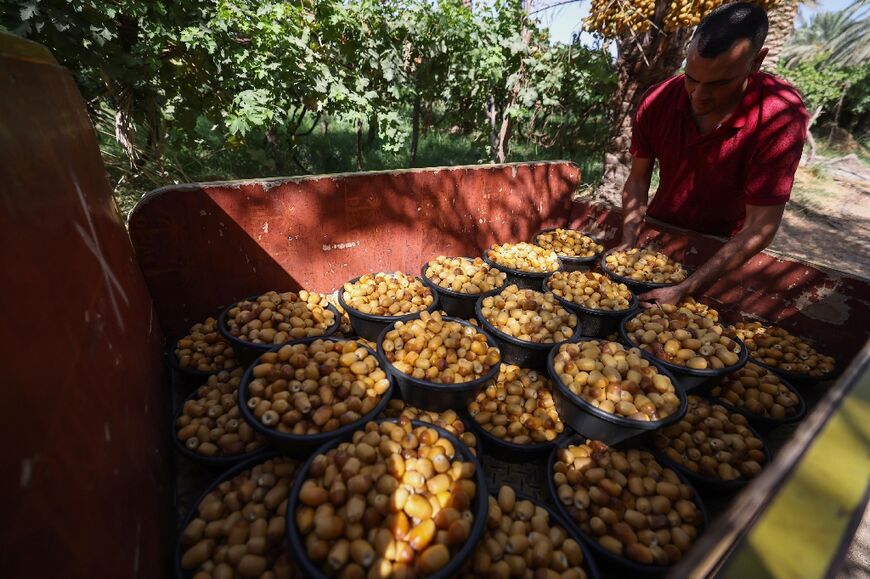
x: 728, y: 139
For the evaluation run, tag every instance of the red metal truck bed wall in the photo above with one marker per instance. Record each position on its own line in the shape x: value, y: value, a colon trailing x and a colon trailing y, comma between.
x: 202, y: 246
x: 84, y: 471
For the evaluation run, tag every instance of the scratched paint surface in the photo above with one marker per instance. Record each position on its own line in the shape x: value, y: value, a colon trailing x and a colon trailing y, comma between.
x: 831, y: 309
x: 84, y: 473
x: 202, y: 246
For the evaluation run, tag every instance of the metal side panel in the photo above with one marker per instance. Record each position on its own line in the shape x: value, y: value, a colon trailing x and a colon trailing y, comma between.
x: 203, y: 245
x: 85, y: 472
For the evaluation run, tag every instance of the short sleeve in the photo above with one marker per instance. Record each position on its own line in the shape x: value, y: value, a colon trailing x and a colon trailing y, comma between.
x: 641, y: 138
x: 773, y: 165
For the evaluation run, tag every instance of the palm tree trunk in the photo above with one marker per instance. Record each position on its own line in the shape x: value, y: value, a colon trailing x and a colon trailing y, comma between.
x: 782, y: 21
x: 643, y: 60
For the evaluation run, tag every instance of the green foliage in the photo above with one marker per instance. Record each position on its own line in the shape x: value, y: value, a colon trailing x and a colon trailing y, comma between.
x: 841, y: 93
x: 820, y: 86
x: 828, y: 59
x: 241, y: 88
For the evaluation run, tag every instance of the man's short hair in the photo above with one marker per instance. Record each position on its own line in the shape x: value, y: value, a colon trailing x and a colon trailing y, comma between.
x: 729, y: 23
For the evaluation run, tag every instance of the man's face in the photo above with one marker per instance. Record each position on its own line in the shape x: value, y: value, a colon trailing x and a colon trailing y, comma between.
x: 716, y: 84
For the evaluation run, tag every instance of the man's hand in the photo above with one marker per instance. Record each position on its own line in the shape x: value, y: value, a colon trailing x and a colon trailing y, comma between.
x: 623, y: 246
x: 625, y: 243
x: 665, y: 295
x: 757, y: 233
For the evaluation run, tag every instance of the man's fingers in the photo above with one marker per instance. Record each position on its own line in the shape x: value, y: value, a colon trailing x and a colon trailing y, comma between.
x: 647, y: 300
x: 647, y: 304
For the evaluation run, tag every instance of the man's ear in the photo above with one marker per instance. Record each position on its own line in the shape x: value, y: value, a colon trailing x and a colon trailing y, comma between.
x: 759, y: 58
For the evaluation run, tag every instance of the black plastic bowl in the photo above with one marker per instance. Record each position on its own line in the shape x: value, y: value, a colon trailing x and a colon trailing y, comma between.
x: 228, y: 475
x: 636, y: 287
x: 556, y: 518
x: 712, y: 486
x: 456, y: 304
x: 522, y: 279
x: 369, y: 326
x: 302, y: 445
x: 796, y: 378
x: 431, y: 395
x: 216, y: 462
x: 510, y: 451
x: 479, y: 505
x: 572, y: 263
x: 597, y: 424
x: 478, y: 447
x: 595, y: 323
x: 761, y: 423
x: 532, y: 355
x: 689, y: 378
x: 247, y: 352
x: 189, y: 378
x: 615, y: 565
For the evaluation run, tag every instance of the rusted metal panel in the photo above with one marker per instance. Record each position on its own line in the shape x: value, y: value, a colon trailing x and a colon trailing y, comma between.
x: 201, y: 246
x: 85, y: 475
x: 831, y: 308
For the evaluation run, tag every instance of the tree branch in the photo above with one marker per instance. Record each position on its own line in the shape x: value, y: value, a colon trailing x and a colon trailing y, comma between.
x: 551, y: 6
x: 309, y: 131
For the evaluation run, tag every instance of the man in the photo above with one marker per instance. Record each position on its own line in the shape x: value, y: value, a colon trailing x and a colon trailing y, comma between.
x: 728, y: 140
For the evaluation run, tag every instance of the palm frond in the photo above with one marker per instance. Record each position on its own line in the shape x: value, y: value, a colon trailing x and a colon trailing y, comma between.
x: 843, y: 37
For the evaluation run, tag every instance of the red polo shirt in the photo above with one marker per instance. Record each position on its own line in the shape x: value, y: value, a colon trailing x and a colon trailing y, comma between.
x: 706, y: 181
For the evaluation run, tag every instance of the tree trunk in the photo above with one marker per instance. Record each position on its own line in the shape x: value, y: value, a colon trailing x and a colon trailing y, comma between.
x: 325, y: 130
x: 502, y: 137
x: 492, y: 117
x: 415, y: 130
x: 782, y: 20
x: 643, y: 60
x: 500, y: 142
x: 427, y: 119
x: 125, y: 96
x: 278, y: 153
x: 359, y: 144
x: 373, y: 129
x: 811, y: 141
x: 843, y: 92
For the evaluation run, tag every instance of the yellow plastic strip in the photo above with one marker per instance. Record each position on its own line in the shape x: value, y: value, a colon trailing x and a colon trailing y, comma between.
x: 802, y: 531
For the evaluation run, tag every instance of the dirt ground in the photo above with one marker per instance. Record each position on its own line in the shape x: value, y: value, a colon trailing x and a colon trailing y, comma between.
x: 827, y: 221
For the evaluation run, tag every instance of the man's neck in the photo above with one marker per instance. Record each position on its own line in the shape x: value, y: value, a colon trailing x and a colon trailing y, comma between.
x: 713, y: 120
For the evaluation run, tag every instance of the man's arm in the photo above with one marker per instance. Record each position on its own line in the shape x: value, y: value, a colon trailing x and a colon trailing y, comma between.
x: 635, y: 196
x: 758, y: 231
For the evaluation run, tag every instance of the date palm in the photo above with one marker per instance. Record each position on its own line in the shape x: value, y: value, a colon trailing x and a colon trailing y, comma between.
x: 843, y: 36
x: 782, y: 18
